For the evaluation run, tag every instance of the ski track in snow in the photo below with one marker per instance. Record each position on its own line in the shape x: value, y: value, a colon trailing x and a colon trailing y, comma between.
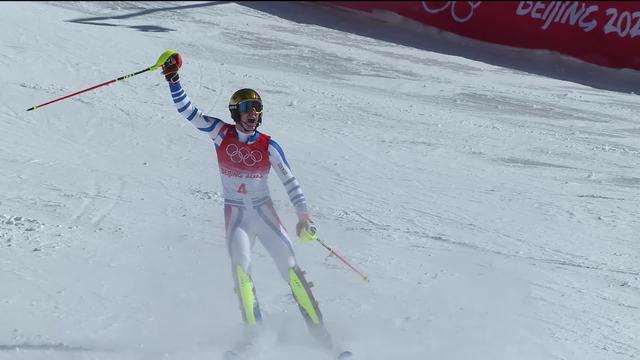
x: 495, y: 211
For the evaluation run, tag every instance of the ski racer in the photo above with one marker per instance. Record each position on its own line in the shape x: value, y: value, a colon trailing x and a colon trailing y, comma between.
x: 245, y: 158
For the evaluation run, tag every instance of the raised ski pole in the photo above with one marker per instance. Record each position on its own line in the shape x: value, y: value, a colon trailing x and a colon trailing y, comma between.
x: 364, y: 277
x: 165, y: 55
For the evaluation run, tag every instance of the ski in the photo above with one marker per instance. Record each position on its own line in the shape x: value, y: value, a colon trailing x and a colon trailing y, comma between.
x: 345, y: 355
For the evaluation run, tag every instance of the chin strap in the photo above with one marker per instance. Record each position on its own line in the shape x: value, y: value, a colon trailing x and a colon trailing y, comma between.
x: 245, y: 129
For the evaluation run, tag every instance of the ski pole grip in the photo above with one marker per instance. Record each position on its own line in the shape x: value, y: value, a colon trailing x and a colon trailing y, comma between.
x: 163, y: 58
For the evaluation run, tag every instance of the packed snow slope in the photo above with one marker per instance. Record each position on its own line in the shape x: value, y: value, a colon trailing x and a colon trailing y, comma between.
x: 495, y: 210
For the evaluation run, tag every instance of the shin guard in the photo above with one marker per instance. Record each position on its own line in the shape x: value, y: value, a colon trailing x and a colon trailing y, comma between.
x: 247, y: 294
x: 301, y: 290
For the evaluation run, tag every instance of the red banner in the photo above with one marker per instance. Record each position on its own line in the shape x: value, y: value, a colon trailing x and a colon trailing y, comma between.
x: 605, y: 33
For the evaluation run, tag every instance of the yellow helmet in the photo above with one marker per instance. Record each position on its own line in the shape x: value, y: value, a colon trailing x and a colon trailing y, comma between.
x: 244, y: 95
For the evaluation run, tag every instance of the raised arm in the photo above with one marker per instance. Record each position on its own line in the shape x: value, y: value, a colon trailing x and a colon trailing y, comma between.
x: 204, y: 123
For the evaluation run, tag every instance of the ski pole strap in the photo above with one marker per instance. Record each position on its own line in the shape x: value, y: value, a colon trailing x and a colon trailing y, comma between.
x: 364, y: 277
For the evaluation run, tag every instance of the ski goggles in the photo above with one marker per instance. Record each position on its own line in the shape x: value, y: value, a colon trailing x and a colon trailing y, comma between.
x: 247, y: 105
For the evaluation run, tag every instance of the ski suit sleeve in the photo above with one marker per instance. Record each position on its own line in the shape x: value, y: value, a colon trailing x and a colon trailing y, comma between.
x: 204, y: 123
x: 281, y: 167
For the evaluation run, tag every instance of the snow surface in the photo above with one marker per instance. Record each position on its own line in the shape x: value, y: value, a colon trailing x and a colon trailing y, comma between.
x: 494, y: 206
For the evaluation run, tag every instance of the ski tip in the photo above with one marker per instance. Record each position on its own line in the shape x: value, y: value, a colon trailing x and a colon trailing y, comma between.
x: 345, y: 355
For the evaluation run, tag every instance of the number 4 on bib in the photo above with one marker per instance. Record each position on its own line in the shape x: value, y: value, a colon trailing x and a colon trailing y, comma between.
x: 242, y: 189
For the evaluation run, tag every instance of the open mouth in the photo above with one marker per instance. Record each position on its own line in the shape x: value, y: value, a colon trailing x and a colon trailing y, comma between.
x: 250, y: 123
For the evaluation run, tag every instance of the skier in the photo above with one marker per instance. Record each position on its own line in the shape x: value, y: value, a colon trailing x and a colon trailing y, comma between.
x: 245, y: 157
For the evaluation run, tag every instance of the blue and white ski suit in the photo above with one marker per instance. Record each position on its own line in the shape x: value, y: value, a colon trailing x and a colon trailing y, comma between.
x: 244, y: 161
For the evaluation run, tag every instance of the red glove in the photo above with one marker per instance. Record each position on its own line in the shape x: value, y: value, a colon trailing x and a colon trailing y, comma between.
x: 171, y: 66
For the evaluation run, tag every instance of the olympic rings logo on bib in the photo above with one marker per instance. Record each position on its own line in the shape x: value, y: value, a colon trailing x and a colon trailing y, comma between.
x: 243, y: 155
